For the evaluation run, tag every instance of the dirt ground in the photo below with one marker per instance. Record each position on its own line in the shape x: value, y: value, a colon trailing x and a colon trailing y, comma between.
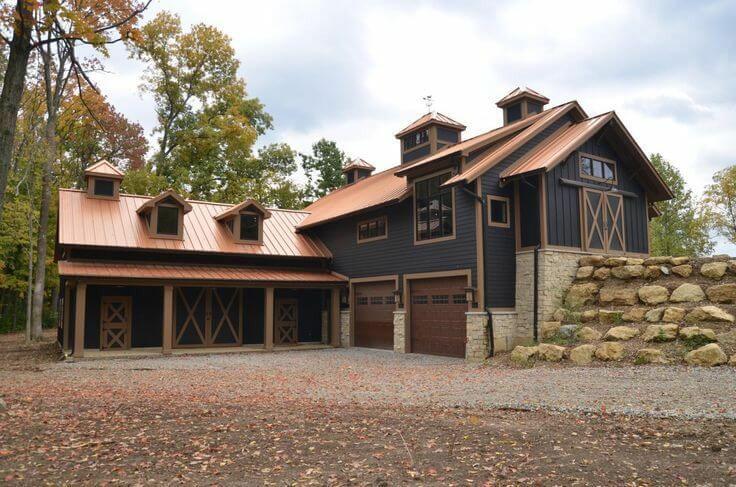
x: 82, y: 426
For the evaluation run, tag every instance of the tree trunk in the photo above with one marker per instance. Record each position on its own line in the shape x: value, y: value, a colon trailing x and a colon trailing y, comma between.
x: 13, y: 83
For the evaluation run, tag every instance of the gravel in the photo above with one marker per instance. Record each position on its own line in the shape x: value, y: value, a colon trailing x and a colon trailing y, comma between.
x: 376, y: 377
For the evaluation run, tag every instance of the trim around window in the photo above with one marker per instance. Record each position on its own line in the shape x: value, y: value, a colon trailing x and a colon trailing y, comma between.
x: 236, y: 228
x: 443, y: 238
x: 92, y: 184
x: 507, y: 211
x: 380, y: 222
x: 610, y: 163
x: 153, y: 223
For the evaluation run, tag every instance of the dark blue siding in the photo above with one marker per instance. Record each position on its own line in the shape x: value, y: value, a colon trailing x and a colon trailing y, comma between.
x: 447, y: 134
x: 415, y: 154
x: 529, y: 233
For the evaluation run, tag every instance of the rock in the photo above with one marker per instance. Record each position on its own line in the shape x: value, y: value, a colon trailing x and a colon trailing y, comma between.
x: 665, y: 270
x: 653, y: 294
x: 657, y: 260
x: 568, y: 331
x: 652, y: 272
x: 695, y: 332
x: 608, y: 316
x: 687, y: 293
x: 714, y: 270
x: 602, y: 273
x: 679, y: 260
x: 581, y: 294
x: 523, y: 354
x: 618, y: 296
x: 634, y: 261
x: 559, y: 315
x: 732, y: 265
x: 683, y: 270
x: 673, y: 314
x: 621, y: 333
x: 660, y: 333
x: 634, y: 314
x: 549, y: 328
x: 708, y: 313
x: 650, y: 356
x: 615, y: 261
x: 3, y: 404
x: 626, y: 272
x: 588, y: 334
x: 727, y: 339
x: 589, y: 315
x: 584, y: 272
x: 591, y: 260
x: 654, y: 315
x: 721, y: 258
x: 609, y: 351
x: 733, y: 360
x: 583, y: 354
x: 549, y: 352
x: 706, y: 356
x: 722, y: 293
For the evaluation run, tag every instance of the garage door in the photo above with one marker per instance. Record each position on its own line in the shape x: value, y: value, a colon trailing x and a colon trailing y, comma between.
x: 438, y: 309
x: 374, y: 314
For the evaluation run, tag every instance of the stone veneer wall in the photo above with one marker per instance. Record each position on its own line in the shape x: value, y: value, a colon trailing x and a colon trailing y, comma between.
x: 476, y: 347
x: 345, y: 327
x: 400, y: 331
x: 504, y: 328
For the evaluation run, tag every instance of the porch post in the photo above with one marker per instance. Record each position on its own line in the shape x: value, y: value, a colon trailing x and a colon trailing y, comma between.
x: 268, y: 322
x: 168, y: 319
x: 335, y: 316
x: 80, y: 305
x: 67, y: 316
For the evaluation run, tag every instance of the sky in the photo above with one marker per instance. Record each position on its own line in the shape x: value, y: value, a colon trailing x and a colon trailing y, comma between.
x: 356, y: 72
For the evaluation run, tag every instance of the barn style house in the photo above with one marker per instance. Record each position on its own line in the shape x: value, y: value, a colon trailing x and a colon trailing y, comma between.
x: 460, y: 250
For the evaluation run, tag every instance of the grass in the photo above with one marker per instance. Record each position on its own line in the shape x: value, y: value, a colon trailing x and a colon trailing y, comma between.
x: 696, y: 341
x: 560, y: 339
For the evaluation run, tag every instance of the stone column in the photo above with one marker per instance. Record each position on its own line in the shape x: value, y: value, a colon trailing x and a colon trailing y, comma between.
x: 335, y: 316
x: 476, y: 346
x: 79, y: 316
x: 168, y: 331
x: 345, y: 327
x: 400, y: 334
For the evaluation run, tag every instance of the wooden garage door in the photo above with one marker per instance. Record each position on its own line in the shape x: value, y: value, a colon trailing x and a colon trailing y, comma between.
x: 438, y: 309
x: 374, y: 314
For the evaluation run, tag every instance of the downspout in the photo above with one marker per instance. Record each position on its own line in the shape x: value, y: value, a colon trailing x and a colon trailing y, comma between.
x: 535, y: 318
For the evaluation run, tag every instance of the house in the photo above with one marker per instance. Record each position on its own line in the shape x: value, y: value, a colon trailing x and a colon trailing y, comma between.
x: 460, y: 250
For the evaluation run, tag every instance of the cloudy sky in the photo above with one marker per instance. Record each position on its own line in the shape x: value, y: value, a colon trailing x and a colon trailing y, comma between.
x: 355, y: 72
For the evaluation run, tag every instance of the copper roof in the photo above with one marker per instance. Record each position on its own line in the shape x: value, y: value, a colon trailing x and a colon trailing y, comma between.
x: 109, y: 223
x: 104, y: 168
x: 149, y: 203
x: 427, y: 118
x: 234, y: 210
x: 119, y: 270
x: 521, y: 92
x: 358, y: 163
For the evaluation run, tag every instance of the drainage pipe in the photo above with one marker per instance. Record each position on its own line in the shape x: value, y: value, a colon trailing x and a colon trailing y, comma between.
x: 535, y: 318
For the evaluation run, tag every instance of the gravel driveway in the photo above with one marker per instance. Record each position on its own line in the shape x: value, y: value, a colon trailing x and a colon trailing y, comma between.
x: 375, y: 377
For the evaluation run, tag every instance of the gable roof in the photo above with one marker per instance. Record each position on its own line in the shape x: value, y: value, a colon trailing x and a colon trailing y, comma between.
x: 104, y: 168
x: 427, y: 118
x: 95, y: 222
x: 358, y: 163
x: 169, y: 193
x: 521, y: 92
x: 234, y: 210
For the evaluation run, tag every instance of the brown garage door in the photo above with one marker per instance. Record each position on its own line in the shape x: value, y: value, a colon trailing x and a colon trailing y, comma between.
x: 374, y: 314
x: 438, y: 309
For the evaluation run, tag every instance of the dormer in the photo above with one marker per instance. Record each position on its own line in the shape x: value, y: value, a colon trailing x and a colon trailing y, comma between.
x: 164, y: 215
x: 356, y: 170
x: 244, y: 221
x: 520, y: 103
x: 103, y: 181
x: 428, y: 134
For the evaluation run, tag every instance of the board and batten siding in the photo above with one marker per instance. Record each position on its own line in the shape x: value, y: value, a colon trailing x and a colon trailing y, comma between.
x: 563, y: 202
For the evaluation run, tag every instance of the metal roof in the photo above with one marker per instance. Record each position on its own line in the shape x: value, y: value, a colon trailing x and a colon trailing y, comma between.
x: 358, y: 163
x: 104, y: 168
x: 427, y: 118
x: 119, y: 270
x: 521, y: 92
x: 98, y: 222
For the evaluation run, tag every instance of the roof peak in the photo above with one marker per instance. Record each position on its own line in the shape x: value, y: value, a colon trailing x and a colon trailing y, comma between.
x: 358, y: 163
x: 428, y: 118
x: 104, y: 168
x: 521, y: 92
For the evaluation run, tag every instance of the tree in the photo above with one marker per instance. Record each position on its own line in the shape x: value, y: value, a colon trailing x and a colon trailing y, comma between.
x: 323, y: 168
x: 720, y: 197
x: 682, y: 227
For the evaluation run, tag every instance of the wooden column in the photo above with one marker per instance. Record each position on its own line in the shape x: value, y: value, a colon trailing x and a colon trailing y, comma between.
x: 335, y: 316
x: 268, y: 322
x: 168, y: 331
x: 80, y: 305
x: 67, y: 315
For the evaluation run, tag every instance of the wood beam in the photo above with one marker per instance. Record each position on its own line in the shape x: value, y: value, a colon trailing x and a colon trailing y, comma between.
x: 67, y: 315
x: 80, y: 305
x: 598, y: 187
x: 168, y: 331
x: 335, y: 317
x: 268, y: 322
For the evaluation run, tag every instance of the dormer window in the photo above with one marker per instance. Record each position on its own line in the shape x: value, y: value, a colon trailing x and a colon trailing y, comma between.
x: 167, y: 222
x: 164, y: 215
x: 250, y: 227
x: 244, y: 221
x: 103, y: 187
x: 103, y: 181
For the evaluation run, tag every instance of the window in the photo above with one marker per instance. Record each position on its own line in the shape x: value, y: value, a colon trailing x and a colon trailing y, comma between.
x: 532, y: 107
x: 390, y: 299
x: 374, y: 229
x: 415, y: 139
x: 440, y: 299
x: 167, y: 220
x: 249, y: 227
x: 498, y: 212
x: 376, y: 299
x: 459, y: 299
x: 513, y: 112
x: 104, y: 187
x: 433, y: 209
x: 597, y: 169
x: 419, y: 300
x: 362, y: 300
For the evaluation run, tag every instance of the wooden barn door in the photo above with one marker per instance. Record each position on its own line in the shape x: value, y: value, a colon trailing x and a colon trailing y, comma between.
x: 115, y: 322
x: 286, y: 320
x: 603, y: 221
x: 224, y: 323
x: 615, y: 241
x: 207, y: 317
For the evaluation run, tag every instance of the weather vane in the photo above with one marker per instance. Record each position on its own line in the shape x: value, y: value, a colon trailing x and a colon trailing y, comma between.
x: 428, y: 101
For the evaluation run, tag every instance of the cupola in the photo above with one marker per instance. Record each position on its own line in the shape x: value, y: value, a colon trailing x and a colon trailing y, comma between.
x: 164, y: 215
x: 103, y: 181
x: 520, y: 103
x: 428, y: 134
x: 244, y: 221
x: 356, y: 170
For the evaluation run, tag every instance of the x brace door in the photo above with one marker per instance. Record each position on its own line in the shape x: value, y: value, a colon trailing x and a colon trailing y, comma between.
x: 603, y: 221
x: 115, y: 322
x: 207, y: 317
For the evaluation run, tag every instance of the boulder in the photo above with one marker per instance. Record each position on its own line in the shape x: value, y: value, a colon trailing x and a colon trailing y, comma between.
x: 695, y: 332
x: 652, y: 272
x: 626, y: 272
x: 523, y: 354
x: 665, y: 270
x: 732, y: 266
x: 608, y: 316
x: 673, y: 314
x: 581, y: 294
x: 568, y: 331
x: 602, y: 273
x: 727, y: 339
x: 618, y: 296
x: 732, y: 361
x: 634, y: 261
x: 660, y: 260
x: 550, y: 353
x: 650, y: 356
x: 560, y: 314
x: 706, y: 356
x: 714, y: 270
x: 584, y: 272
x: 683, y: 270
x: 654, y: 315
x: 687, y: 293
x: 588, y: 334
x: 615, y: 261
x: 589, y: 315
x: 634, y: 314
x: 549, y: 328
x: 609, y: 351
x: 660, y: 333
x: 708, y: 313
x: 621, y: 333
x: 653, y: 294
x: 583, y: 354
x: 591, y: 260
x: 679, y: 260
x: 720, y: 258
x: 722, y: 293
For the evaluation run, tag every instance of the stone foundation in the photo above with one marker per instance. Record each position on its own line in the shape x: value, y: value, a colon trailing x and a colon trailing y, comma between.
x: 476, y: 346
x: 345, y: 328
x: 325, y: 326
x: 504, y: 329
x: 400, y: 331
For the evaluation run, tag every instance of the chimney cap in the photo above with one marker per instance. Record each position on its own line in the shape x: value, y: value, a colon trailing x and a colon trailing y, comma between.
x: 519, y: 93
